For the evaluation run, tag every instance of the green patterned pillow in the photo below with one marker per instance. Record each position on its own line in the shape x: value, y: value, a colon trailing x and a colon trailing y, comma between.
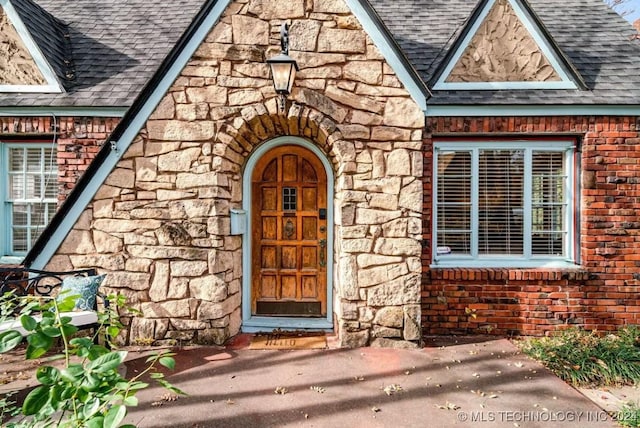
x: 86, y: 287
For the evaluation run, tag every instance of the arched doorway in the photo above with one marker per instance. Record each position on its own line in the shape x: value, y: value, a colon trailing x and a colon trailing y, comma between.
x: 288, y: 261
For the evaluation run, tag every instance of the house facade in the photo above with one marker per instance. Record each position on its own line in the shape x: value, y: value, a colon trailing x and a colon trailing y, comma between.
x: 468, y: 168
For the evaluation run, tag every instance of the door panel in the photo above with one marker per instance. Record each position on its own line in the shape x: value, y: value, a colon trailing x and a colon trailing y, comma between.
x: 289, y: 276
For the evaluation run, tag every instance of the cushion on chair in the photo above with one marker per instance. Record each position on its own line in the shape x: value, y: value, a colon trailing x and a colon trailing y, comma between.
x: 85, y: 287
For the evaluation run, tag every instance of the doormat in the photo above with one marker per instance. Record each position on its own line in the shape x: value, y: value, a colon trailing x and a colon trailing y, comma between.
x: 284, y: 340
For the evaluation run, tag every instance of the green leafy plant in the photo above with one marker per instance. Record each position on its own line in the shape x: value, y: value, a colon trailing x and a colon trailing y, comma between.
x: 589, y: 358
x: 88, y: 391
x: 629, y: 415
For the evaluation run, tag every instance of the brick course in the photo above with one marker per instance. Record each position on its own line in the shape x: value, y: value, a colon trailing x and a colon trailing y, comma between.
x: 602, y: 294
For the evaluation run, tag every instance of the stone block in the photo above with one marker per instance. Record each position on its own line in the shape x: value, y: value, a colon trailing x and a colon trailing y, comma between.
x: 268, y: 9
x: 356, y: 245
x: 179, y: 161
x: 249, y: 31
x: 188, y: 268
x: 209, y: 288
x: 178, y: 288
x: 348, y: 279
x: 379, y: 331
x: 216, y: 310
x: 383, y: 342
x: 212, y: 336
x: 77, y: 242
x: 381, y: 274
x: 175, y: 130
x: 106, y: 243
x: 403, y: 112
x: 401, y: 291
x: 330, y: 6
x: 390, y: 316
x: 121, y: 178
x: 304, y: 34
x: 142, y: 329
x: 341, y: 40
x: 353, y: 339
x: 364, y: 71
x: 166, y: 109
x: 351, y: 100
x: 169, y: 309
x: 412, y: 326
x: 398, y: 247
x: 146, y: 169
x: 110, y: 262
x: 160, y: 282
x: 375, y: 216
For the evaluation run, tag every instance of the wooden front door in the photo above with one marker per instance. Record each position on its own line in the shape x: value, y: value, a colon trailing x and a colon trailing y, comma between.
x: 289, y: 231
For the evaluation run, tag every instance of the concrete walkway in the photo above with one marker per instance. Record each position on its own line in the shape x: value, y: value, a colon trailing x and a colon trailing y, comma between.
x: 486, y: 383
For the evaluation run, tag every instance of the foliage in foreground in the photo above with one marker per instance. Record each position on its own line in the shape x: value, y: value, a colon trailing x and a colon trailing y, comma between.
x: 590, y: 358
x: 629, y: 415
x: 88, y: 391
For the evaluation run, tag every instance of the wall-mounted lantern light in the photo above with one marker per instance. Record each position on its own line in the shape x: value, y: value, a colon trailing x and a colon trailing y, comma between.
x: 283, y: 68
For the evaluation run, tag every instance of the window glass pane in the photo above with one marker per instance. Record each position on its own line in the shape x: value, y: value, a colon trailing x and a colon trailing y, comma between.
x: 19, y: 243
x: 50, y: 161
x: 454, y: 202
x: 289, y: 198
x: 548, y: 203
x: 492, y: 222
x: 33, y: 191
x: 34, y: 160
x: 16, y: 186
x: 51, y: 187
x: 501, y: 200
x: 20, y: 214
x: 16, y: 159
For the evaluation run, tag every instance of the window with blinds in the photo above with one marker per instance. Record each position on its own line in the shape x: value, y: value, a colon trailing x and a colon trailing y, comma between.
x: 32, y: 192
x: 502, y: 201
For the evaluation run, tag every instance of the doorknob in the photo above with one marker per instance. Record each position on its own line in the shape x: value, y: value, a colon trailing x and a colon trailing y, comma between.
x: 323, y: 247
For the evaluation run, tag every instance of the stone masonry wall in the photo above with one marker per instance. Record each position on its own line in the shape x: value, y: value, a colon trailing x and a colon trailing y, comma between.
x: 160, y: 225
x: 603, y: 294
x: 502, y: 50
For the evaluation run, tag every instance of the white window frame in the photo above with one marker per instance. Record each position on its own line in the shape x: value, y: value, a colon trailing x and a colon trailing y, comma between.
x: 6, y: 219
x: 570, y: 253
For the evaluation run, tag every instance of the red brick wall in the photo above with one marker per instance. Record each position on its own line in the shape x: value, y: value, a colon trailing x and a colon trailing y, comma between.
x: 603, y: 294
x: 78, y: 140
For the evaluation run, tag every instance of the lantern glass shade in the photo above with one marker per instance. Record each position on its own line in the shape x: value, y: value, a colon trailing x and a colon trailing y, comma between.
x: 283, y: 72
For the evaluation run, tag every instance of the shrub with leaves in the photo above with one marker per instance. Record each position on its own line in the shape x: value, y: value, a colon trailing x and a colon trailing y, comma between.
x: 88, y: 391
x: 588, y: 358
x: 629, y: 415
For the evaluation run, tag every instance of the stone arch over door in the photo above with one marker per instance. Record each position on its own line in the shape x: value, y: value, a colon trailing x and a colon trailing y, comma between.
x: 377, y: 217
x: 251, y: 320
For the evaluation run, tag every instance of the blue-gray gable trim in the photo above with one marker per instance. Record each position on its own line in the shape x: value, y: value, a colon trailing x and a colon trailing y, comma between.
x: 107, y: 158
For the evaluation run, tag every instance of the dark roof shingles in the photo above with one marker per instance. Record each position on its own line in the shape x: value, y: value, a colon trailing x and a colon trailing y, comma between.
x: 597, y: 41
x: 117, y: 46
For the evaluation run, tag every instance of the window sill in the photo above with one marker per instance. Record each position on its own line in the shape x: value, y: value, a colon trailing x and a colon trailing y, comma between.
x: 505, y: 264
x: 11, y: 260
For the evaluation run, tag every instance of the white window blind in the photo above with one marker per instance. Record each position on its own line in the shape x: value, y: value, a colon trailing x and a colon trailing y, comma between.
x: 32, y: 193
x: 502, y: 201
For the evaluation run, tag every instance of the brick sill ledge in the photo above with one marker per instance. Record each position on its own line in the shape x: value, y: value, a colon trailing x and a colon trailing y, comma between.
x: 513, y: 274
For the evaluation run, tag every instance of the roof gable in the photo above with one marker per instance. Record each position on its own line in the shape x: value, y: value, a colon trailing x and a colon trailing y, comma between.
x: 25, y: 67
x: 505, y: 46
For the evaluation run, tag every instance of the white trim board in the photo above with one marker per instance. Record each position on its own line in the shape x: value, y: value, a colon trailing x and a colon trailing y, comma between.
x: 545, y: 46
x: 53, y: 84
x: 252, y: 324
